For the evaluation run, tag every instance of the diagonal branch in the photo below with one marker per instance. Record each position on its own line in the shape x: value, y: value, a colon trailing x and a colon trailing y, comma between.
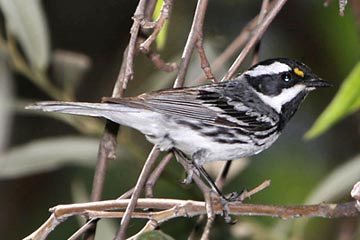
x: 136, y: 194
x: 156, y: 174
x: 205, y: 65
x: 196, y: 27
x: 107, y: 146
x: 260, y: 30
x: 158, y: 25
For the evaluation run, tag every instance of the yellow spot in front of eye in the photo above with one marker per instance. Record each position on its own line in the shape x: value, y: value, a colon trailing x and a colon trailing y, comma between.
x: 298, y: 72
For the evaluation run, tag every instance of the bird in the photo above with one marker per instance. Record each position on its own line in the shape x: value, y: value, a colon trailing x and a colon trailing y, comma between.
x: 221, y: 121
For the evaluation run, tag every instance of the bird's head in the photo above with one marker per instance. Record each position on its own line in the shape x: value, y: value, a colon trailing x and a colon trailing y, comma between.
x: 281, y: 81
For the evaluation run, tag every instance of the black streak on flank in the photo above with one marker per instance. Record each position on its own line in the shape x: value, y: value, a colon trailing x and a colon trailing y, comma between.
x: 229, y: 140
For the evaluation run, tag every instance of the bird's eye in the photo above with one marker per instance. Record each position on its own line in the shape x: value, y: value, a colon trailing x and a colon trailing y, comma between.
x: 286, y: 77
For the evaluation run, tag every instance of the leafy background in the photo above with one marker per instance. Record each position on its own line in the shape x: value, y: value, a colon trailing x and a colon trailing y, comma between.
x: 73, y: 48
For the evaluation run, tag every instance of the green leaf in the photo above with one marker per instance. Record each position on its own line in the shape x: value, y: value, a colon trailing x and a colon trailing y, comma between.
x: 162, y: 36
x: 346, y: 101
x: 48, y: 154
x: 26, y: 20
x: 154, y: 235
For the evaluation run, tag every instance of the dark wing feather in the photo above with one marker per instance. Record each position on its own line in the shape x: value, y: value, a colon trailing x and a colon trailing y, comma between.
x: 178, y: 103
x: 206, y: 104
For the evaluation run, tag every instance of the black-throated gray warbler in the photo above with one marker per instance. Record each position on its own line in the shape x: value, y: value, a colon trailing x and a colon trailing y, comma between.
x: 220, y: 121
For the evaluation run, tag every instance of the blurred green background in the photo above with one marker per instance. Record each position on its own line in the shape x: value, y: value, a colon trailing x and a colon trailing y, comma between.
x: 47, y: 160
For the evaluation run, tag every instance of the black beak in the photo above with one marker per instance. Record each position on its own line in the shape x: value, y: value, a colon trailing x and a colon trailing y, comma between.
x: 317, y: 83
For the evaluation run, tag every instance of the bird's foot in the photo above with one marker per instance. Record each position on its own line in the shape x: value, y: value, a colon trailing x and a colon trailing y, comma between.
x: 189, y: 173
x: 229, y: 198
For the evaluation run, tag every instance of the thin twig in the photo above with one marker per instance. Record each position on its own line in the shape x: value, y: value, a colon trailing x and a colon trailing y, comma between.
x: 222, y: 175
x: 236, y: 44
x: 107, y: 150
x: 205, y: 189
x: 263, y: 11
x: 87, y: 225
x: 198, y: 19
x: 196, y: 26
x: 145, y: 45
x: 205, y: 65
x: 160, y: 63
x: 158, y: 25
x: 149, y: 187
x: 260, y: 30
x: 149, y: 10
x: 136, y: 194
x: 131, y: 49
x: 107, y: 147
x: 259, y: 188
x: 232, y: 48
x: 219, y: 182
x: 182, y: 69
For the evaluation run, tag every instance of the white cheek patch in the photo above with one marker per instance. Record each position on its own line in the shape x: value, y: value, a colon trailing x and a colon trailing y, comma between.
x: 286, y: 95
x: 274, y: 68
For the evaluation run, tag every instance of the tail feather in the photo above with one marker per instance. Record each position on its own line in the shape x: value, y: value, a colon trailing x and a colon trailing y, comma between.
x: 78, y: 108
x: 125, y: 113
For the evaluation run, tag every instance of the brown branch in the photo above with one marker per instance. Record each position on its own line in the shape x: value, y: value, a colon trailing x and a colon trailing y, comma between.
x: 179, y: 82
x: 196, y: 26
x: 149, y: 9
x: 172, y: 208
x: 260, y: 30
x: 89, y: 223
x: 137, y: 191
x: 263, y: 11
x: 145, y: 45
x: 131, y: 49
x: 219, y: 182
x: 158, y: 25
x: 107, y: 146
x: 107, y: 150
x: 160, y: 63
x: 156, y: 174
x: 205, y: 65
x: 205, y: 189
x: 233, y: 47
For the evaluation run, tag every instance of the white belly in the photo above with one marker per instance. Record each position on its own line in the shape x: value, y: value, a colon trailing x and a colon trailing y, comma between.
x: 190, y: 142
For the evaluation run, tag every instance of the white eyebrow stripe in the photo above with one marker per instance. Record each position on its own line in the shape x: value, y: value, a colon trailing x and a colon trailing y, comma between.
x: 274, y: 68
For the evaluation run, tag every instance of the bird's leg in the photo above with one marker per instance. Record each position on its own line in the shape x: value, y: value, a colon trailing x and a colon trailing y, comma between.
x: 224, y: 200
x: 195, y: 166
x: 190, y: 169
